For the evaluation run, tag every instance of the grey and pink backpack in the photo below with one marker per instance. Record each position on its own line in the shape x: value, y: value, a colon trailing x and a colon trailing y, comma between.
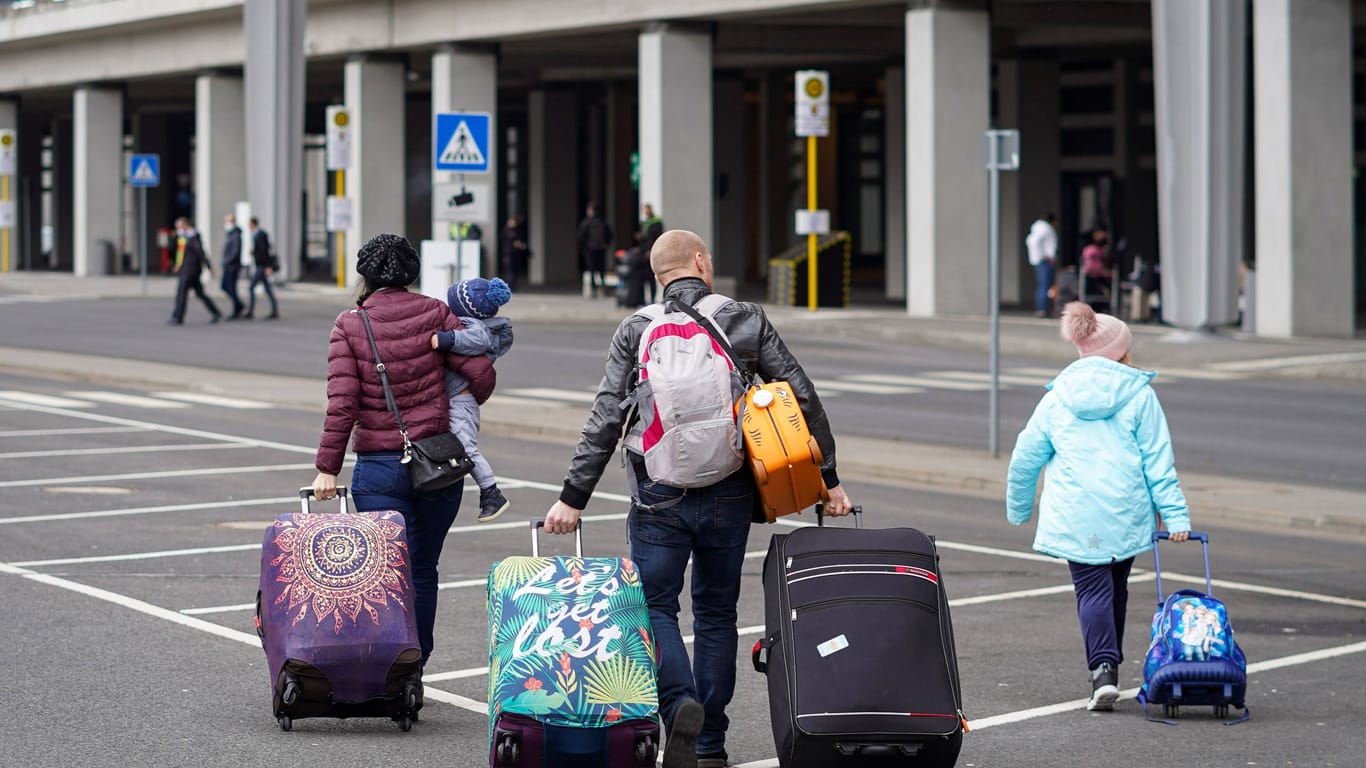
x: 687, y: 385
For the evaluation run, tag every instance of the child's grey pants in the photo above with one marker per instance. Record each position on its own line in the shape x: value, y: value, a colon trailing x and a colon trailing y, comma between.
x: 464, y: 415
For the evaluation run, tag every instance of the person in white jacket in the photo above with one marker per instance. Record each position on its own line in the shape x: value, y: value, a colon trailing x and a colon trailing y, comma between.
x: 1042, y: 245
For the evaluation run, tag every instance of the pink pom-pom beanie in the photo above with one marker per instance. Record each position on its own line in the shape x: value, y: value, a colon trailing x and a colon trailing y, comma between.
x: 1095, y: 334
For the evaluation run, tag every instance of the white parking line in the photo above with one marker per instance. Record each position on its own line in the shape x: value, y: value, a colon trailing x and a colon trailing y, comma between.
x: 137, y: 556
x: 197, y: 398
x: 157, y: 475
x: 123, y: 450
x: 149, y: 510
x: 70, y: 431
x: 119, y: 398
x: 23, y: 399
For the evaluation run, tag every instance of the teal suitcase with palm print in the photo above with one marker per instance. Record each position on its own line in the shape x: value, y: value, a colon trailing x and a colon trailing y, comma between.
x: 572, y: 663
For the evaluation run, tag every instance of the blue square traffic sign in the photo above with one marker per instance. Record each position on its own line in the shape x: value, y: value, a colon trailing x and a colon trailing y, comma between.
x: 461, y: 142
x: 144, y: 170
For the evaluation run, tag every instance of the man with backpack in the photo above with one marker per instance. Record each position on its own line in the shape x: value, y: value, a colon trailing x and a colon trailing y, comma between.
x: 594, y: 239
x: 696, y: 503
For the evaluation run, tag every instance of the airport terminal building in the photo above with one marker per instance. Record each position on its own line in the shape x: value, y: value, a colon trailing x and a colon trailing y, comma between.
x: 1220, y: 140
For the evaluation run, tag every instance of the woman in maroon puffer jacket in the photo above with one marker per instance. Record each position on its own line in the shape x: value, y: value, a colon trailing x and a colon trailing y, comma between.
x: 403, y: 324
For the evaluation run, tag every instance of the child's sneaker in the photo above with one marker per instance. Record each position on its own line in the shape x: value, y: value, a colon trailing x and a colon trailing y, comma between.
x: 492, y: 503
x: 1104, y: 688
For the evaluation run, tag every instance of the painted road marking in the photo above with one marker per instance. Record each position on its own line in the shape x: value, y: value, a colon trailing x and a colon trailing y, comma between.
x: 919, y: 381
x: 1006, y: 378
x: 1271, y: 363
x: 123, y: 449
x: 196, y: 398
x: 842, y: 385
x: 49, y: 401
x: 149, y: 510
x: 118, y: 398
x: 549, y: 393
x: 70, y: 431
x: 157, y: 475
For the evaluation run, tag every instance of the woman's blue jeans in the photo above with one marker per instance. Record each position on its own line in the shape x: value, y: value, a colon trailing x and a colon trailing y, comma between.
x: 380, y: 482
x: 711, y: 526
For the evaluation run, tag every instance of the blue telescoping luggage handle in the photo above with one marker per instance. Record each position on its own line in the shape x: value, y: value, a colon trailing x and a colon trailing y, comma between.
x: 1200, y: 536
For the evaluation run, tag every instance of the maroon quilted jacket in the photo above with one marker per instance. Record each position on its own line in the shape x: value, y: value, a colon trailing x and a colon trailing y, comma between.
x: 403, y: 324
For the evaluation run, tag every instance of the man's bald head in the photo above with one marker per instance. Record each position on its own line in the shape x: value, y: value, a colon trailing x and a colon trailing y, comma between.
x: 679, y: 253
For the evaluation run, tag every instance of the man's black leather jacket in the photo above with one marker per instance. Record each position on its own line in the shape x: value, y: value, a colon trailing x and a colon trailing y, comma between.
x: 757, y: 345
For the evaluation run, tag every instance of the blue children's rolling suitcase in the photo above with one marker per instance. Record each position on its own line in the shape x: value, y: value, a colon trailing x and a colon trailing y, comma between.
x: 1193, y: 659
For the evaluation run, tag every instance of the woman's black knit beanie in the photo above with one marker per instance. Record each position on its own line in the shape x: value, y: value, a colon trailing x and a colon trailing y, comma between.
x: 388, y: 261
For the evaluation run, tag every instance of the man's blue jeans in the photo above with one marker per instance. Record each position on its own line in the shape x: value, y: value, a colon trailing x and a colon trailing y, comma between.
x: 711, y: 526
x: 1043, y: 274
x: 380, y: 482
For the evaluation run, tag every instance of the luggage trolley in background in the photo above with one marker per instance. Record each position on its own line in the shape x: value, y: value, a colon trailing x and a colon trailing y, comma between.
x: 335, y: 614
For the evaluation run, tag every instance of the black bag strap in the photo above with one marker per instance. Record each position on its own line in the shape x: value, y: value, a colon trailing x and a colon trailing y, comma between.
x: 715, y: 334
x: 384, y: 380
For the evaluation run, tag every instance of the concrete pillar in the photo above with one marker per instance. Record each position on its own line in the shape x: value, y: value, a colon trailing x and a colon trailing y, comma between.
x: 1303, y: 96
x: 466, y: 79
x: 375, y: 183
x: 947, y: 93
x: 730, y: 252
x: 1199, y: 65
x: 894, y: 183
x: 1027, y: 99
x: 553, y: 214
x: 274, y: 97
x: 98, y: 180
x: 220, y: 169
x: 676, y: 161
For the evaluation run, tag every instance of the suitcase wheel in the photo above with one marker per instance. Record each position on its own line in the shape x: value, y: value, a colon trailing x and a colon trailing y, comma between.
x: 816, y: 457
x: 285, y: 722
x: 291, y: 692
x: 1221, y: 710
x: 760, y: 472
x: 1171, y: 710
x: 646, y: 749
x: 405, y: 723
x: 508, y: 750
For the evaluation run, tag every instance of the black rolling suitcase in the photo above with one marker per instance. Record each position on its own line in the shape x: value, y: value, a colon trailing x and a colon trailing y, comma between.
x: 860, y: 659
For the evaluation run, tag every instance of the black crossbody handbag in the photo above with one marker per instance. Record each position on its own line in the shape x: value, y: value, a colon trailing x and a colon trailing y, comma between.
x: 434, y: 462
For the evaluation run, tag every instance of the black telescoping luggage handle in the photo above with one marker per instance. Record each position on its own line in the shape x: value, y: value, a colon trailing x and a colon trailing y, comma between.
x: 1200, y: 536
x: 306, y: 494
x: 856, y: 510
x: 539, y: 523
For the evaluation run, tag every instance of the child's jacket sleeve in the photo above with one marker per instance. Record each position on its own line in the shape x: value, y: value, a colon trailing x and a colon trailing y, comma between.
x: 1033, y: 450
x: 470, y: 340
x: 1159, y: 464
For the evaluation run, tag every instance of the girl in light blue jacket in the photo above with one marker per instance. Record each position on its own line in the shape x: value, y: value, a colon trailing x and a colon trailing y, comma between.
x: 1102, y: 435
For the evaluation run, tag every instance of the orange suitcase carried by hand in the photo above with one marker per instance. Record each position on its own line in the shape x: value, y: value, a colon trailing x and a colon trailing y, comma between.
x: 783, y: 454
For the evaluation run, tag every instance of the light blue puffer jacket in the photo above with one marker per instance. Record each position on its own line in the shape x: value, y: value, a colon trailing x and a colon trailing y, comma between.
x: 1103, y: 438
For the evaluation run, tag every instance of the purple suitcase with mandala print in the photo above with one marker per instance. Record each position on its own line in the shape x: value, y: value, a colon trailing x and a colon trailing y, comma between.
x: 335, y: 614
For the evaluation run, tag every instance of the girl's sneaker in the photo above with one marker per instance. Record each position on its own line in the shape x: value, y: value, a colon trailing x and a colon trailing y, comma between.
x: 1104, y: 688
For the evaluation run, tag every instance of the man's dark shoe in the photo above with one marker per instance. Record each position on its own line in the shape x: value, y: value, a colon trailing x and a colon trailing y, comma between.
x: 1104, y: 688
x: 714, y: 760
x: 214, y: 319
x: 680, y: 744
x: 273, y: 316
x: 492, y: 503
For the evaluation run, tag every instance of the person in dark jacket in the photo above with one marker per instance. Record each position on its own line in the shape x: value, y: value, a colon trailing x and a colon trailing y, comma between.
x: 190, y: 261
x: 402, y: 323
x: 232, y: 264
x: 651, y: 227
x: 594, y: 239
x: 264, y: 256
x: 515, y: 253
x: 665, y: 534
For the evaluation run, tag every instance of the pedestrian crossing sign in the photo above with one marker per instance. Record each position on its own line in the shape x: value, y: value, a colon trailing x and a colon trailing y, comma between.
x: 144, y: 170
x: 462, y: 142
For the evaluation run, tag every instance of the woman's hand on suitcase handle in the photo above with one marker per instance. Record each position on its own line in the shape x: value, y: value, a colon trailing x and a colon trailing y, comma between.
x: 1179, y: 535
x: 561, y: 518
x: 325, y: 487
x: 839, y: 504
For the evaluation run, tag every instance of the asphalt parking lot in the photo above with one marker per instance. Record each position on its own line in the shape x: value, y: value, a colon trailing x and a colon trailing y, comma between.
x: 129, y: 547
